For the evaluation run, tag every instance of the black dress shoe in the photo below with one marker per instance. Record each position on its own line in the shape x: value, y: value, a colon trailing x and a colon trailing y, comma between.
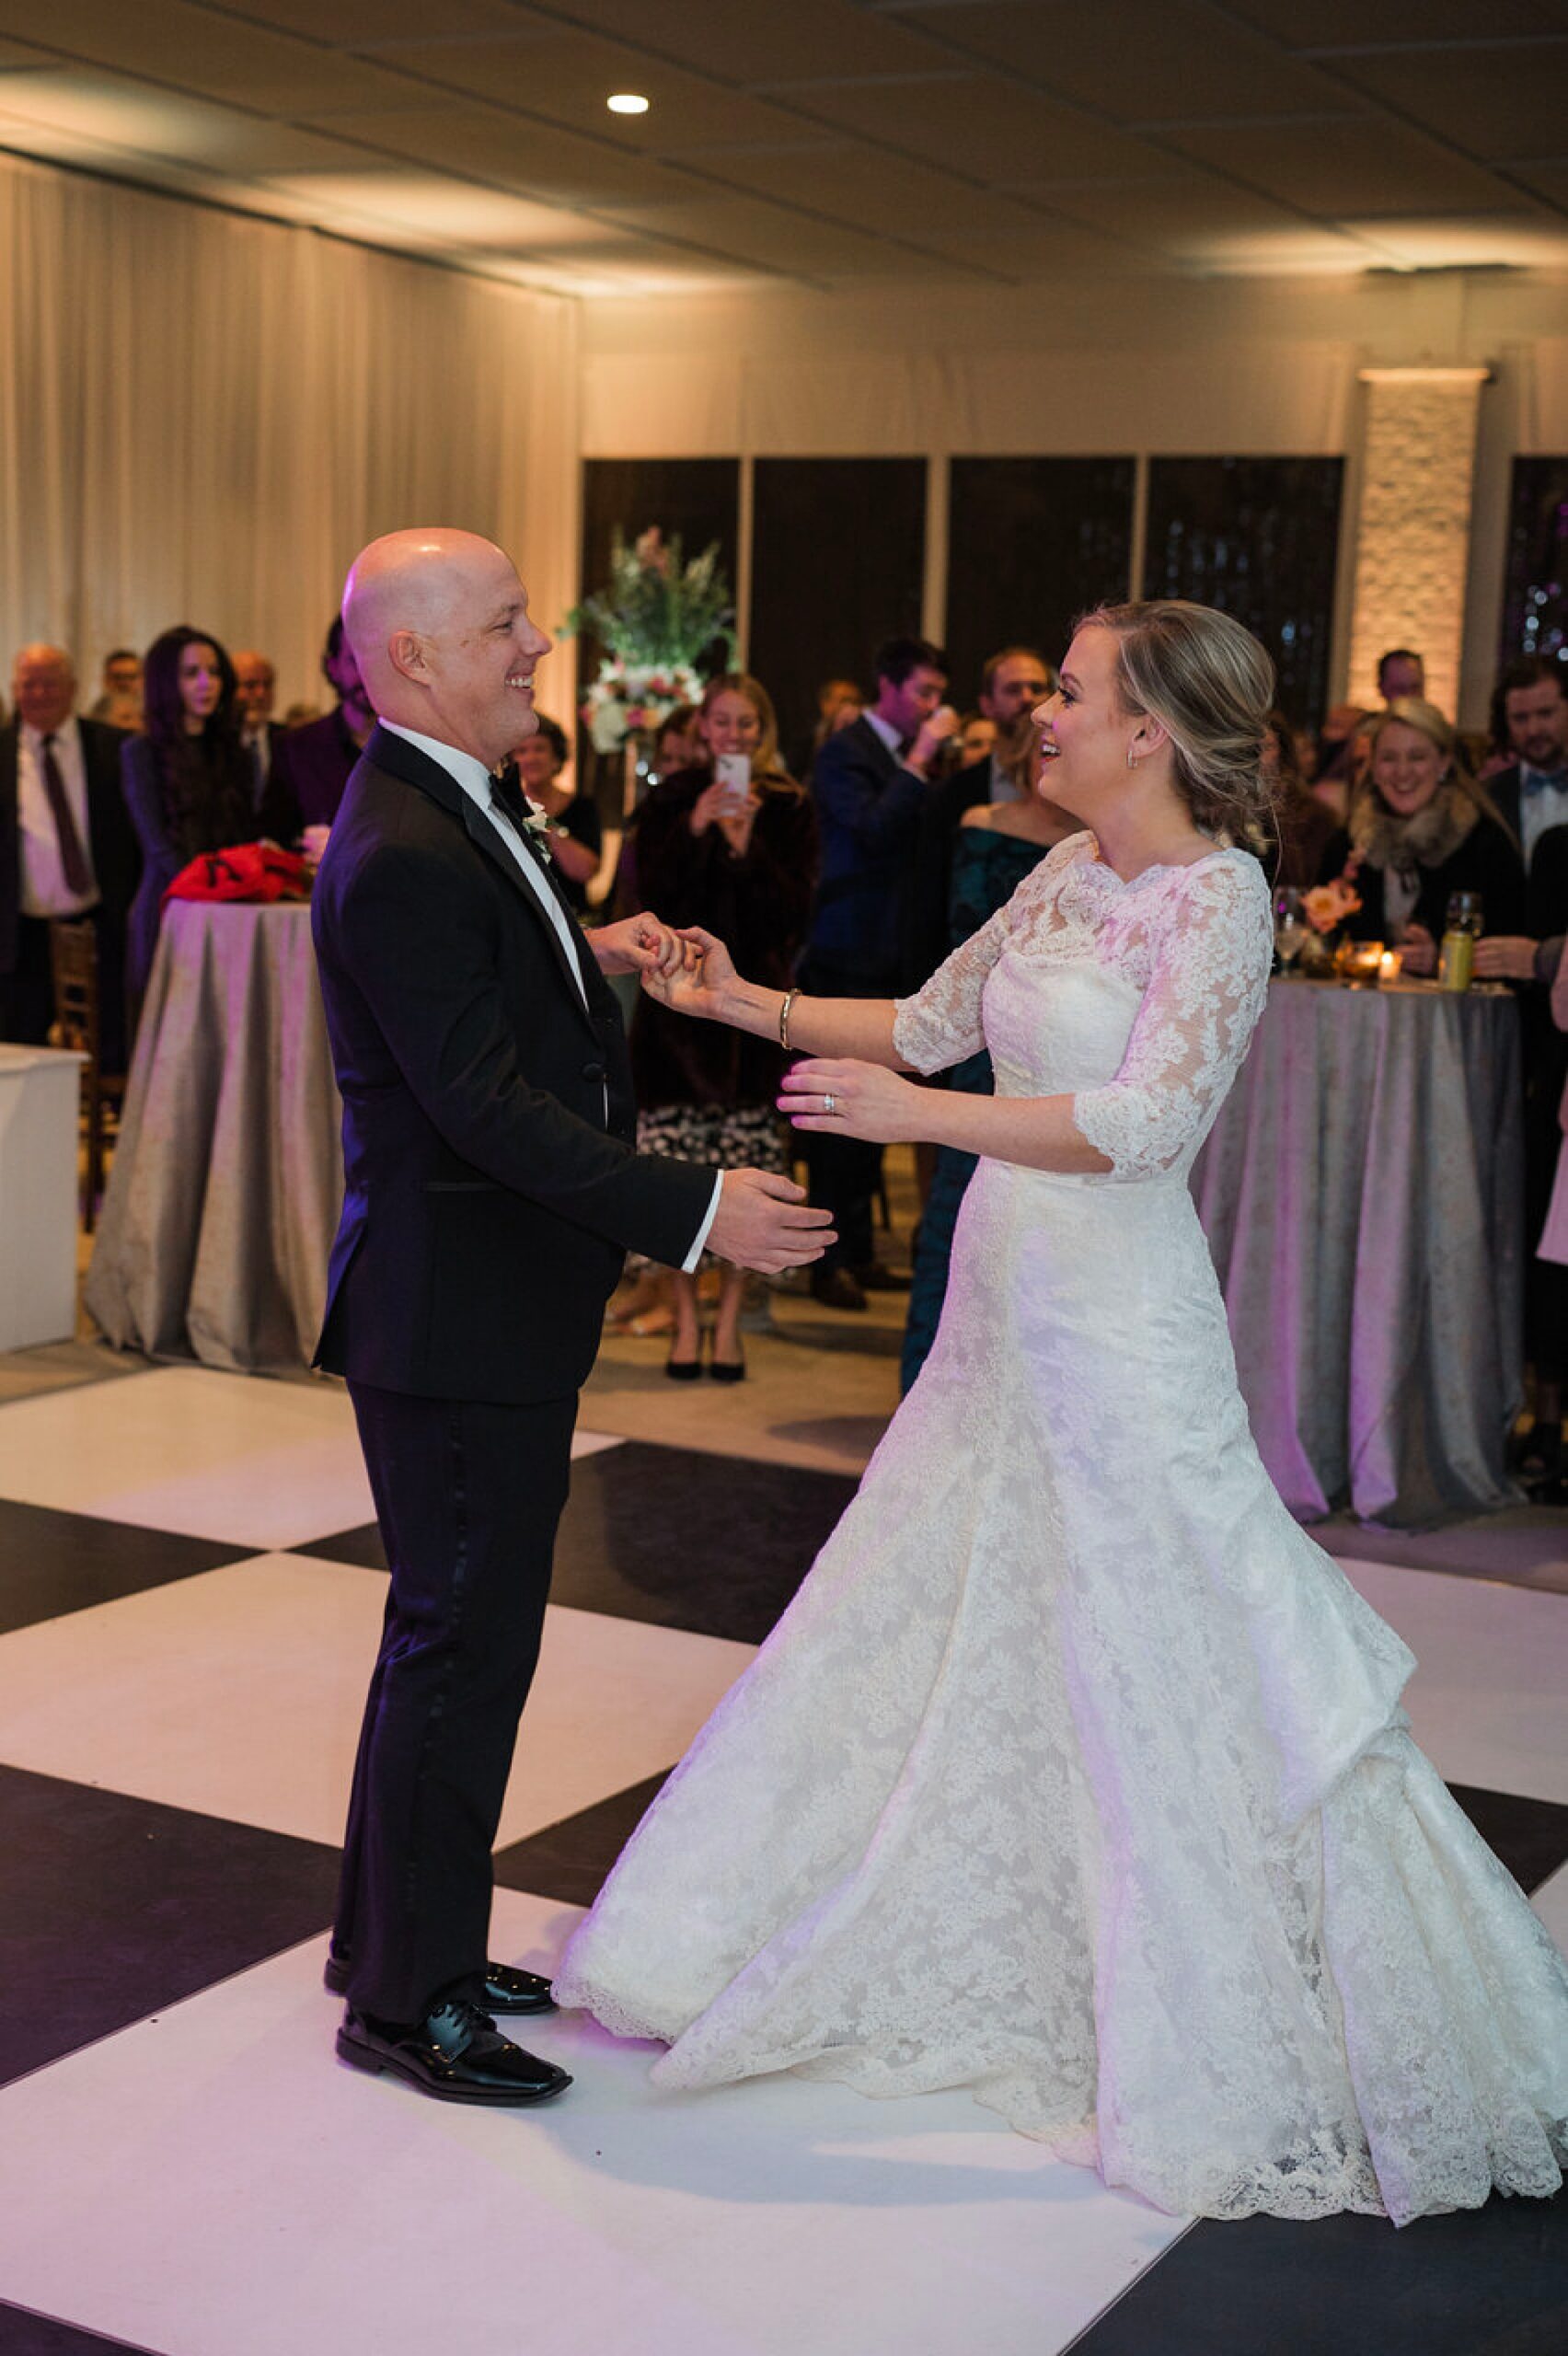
x: 506, y: 1990
x: 836, y: 1289
x: 684, y: 1369
x: 456, y: 2053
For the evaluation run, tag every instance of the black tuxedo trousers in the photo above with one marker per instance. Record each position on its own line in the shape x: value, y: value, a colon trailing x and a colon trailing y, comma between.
x: 467, y: 1495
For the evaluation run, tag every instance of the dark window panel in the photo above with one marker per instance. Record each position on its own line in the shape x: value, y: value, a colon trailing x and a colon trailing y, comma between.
x: 1031, y: 542
x: 1535, y: 599
x: 1258, y: 537
x: 698, y: 497
x: 837, y: 565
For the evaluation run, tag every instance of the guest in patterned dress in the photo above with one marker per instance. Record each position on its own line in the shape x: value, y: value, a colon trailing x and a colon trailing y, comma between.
x: 745, y: 870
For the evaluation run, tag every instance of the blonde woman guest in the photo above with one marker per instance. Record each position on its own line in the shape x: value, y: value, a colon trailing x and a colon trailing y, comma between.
x: 744, y: 867
x: 1420, y: 828
x: 1076, y: 1774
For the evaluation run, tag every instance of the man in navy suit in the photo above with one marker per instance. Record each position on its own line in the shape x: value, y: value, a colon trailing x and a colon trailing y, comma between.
x: 492, y: 1187
x: 1532, y: 706
x: 870, y: 783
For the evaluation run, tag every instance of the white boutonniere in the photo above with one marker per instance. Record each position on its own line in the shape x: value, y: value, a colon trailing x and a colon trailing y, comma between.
x: 538, y: 827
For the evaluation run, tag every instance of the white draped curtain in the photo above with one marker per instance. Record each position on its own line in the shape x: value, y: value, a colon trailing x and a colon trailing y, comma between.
x: 203, y: 417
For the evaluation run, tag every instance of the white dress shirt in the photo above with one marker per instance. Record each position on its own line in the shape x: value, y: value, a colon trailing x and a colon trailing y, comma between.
x: 1539, y: 810
x: 44, y: 891
x: 476, y: 780
x: 889, y: 735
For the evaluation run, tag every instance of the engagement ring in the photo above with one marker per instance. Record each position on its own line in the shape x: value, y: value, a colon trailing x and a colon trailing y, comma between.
x: 828, y: 1104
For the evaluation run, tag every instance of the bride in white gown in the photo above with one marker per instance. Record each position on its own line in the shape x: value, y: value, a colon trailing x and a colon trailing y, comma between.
x: 1075, y: 1774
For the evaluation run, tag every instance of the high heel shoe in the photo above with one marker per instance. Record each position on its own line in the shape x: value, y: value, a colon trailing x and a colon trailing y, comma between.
x: 684, y: 1369
x: 727, y: 1370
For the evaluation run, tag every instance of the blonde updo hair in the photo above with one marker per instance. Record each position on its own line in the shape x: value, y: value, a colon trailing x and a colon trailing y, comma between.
x: 1211, y: 686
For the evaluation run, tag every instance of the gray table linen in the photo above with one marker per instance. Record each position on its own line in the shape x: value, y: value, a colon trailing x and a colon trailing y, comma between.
x: 1363, y: 1194
x: 228, y: 1175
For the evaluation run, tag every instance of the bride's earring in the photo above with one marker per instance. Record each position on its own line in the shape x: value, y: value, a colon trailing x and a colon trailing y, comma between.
x: 1131, y: 758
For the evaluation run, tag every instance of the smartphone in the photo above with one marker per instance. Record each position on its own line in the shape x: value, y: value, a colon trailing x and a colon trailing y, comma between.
x: 733, y: 772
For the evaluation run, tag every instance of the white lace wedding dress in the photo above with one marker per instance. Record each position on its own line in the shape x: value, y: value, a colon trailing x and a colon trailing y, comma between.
x: 1075, y: 1774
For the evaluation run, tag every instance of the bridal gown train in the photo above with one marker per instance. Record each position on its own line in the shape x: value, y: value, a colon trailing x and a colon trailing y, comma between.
x: 1075, y: 1774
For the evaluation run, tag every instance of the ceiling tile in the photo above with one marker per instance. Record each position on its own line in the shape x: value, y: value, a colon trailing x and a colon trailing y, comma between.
x: 444, y: 212
x: 1491, y: 103
x: 1194, y: 221
x: 1519, y: 240
x: 1361, y: 166
x: 1550, y: 180
x: 76, y: 110
x: 752, y: 45
x: 747, y: 230
x: 567, y: 77
x: 359, y: 24
x: 1329, y: 24
x: 1135, y: 61
x: 983, y: 126
x: 202, y: 50
x: 536, y: 159
x: 890, y: 194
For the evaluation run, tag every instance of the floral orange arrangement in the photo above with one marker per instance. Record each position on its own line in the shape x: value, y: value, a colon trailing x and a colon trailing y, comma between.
x: 1329, y: 905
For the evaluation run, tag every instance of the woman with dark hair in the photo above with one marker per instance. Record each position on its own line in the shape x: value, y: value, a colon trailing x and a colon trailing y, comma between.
x: 187, y: 782
x: 576, y: 837
x: 740, y: 859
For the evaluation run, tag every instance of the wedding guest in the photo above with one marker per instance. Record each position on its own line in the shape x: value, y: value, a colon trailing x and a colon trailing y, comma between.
x: 1402, y: 676
x: 870, y: 783
x: 1012, y: 682
x: 1341, y: 746
x: 187, y: 782
x: 576, y: 837
x: 997, y: 845
x: 737, y: 865
x: 1421, y: 828
x: 976, y: 739
x: 677, y: 740
x: 1531, y: 789
x: 1302, y: 826
x: 255, y: 690
x: 311, y: 765
x: 120, y: 704
x: 1534, y: 958
x: 67, y: 849
x: 840, y: 705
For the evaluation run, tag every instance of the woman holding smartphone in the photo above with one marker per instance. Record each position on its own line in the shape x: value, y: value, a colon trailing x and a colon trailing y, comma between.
x: 730, y: 844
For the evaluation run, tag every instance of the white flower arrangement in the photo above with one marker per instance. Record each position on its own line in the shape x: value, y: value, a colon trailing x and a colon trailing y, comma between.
x: 627, y: 698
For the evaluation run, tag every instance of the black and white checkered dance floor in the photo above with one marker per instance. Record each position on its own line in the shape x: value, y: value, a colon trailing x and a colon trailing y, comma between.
x: 189, y: 1600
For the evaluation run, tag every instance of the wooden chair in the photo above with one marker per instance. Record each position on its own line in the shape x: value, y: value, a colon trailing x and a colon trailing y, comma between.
x: 73, y: 950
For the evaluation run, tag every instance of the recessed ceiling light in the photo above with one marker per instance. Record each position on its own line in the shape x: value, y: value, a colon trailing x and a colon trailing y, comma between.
x: 626, y: 102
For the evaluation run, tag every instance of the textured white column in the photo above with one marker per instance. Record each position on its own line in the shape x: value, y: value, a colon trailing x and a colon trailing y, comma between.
x: 1412, y: 538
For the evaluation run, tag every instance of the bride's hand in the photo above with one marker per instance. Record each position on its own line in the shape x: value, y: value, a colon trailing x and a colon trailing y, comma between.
x: 697, y: 986
x: 866, y: 1100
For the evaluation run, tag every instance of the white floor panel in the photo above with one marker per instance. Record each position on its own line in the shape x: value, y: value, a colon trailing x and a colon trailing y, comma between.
x: 213, y: 2181
x: 1486, y: 1700
x: 236, y: 1459
x: 238, y: 1694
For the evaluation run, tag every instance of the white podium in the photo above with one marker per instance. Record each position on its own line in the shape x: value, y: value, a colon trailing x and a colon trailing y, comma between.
x: 40, y: 1095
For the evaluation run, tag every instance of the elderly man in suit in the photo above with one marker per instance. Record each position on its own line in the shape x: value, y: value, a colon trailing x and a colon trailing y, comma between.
x: 492, y: 1190
x: 870, y: 783
x: 67, y: 848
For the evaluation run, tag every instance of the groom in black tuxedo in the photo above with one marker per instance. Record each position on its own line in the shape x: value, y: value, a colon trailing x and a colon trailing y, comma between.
x: 491, y: 1191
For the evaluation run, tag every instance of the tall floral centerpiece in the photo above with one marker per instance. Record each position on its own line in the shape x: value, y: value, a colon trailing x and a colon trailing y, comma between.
x: 656, y: 616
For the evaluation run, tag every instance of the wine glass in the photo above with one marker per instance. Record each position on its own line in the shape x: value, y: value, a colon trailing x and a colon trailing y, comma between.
x: 1466, y: 913
x: 1291, y: 927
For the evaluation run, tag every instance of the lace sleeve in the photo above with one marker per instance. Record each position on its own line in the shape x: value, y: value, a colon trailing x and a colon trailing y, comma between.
x: 1198, y: 1014
x: 941, y: 1024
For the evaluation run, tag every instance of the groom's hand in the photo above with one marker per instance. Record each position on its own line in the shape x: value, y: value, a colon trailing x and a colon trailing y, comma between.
x: 639, y: 945
x: 765, y: 1223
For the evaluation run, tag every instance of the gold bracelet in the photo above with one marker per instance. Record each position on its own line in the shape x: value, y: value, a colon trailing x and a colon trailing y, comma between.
x: 789, y: 998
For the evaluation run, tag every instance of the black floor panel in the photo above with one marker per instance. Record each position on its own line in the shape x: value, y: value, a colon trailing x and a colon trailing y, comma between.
x: 24, y: 2334
x: 53, y: 1563
x: 716, y: 1544
x: 112, y: 1907
x: 569, y: 1861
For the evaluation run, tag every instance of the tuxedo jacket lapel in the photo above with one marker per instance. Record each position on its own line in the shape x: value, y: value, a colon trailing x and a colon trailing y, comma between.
x: 400, y: 759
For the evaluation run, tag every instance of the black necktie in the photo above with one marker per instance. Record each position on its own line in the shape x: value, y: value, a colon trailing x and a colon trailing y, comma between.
x: 506, y: 792
x: 73, y: 858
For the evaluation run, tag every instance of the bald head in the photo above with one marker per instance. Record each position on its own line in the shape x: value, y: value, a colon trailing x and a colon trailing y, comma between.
x: 43, y: 685
x: 438, y: 622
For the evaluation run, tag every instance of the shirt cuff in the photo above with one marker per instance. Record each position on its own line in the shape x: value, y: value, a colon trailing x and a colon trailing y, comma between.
x: 688, y: 1266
